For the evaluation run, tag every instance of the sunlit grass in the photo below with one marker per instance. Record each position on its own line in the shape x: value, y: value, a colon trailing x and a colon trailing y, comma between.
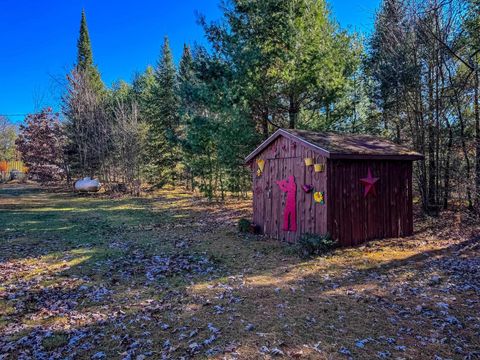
x: 47, y: 265
x: 53, y: 245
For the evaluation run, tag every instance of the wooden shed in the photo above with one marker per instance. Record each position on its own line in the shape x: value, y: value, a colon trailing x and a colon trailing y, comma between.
x: 353, y: 187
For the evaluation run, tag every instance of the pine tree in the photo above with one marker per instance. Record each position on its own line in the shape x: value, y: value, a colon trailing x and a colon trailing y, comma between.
x: 84, y: 107
x: 287, y: 57
x: 162, y: 149
x: 186, y: 81
x: 216, y: 133
x: 143, y: 94
x: 85, y: 57
x: 166, y: 92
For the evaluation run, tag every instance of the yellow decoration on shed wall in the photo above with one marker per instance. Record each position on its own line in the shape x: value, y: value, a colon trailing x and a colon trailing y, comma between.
x: 261, y: 164
x: 319, y: 197
x: 308, y: 161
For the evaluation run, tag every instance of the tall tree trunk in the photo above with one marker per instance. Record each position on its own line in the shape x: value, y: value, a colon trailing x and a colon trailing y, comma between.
x: 446, y: 192
x: 477, y: 142
x: 419, y: 135
x: 432, y: 191
x: 468, y: 166
x: 265, y: 124
x: 292, y: 112
x: 438, y: 136
x: 398, y: 137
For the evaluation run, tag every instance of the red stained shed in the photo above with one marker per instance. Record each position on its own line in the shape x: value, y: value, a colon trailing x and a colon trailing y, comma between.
x: 353, y: 187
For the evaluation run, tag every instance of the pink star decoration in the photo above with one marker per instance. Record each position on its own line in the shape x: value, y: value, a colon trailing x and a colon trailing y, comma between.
x: 369, y: 183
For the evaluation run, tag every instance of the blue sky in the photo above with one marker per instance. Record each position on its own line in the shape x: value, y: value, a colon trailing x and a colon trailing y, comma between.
x: 38, y: 40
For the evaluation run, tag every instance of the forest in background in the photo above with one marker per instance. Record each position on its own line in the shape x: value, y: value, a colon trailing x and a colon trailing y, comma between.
x: 273, y: 64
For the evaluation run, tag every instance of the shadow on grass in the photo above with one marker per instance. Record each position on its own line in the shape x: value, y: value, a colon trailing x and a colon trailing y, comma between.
x: 39, y: 223
x: 258, y: 297
x: 293, y: 307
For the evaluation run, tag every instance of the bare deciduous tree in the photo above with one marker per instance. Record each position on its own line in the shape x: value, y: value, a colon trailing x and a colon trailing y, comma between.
x: 88, y: 128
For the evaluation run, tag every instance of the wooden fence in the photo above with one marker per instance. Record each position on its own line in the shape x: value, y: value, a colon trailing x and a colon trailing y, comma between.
x: 8, y: 166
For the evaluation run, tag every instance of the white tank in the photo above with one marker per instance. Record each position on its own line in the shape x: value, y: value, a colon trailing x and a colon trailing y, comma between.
x: 87, y: 184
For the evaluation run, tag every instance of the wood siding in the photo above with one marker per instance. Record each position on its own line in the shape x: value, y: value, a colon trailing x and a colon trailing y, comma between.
x: 352, y: 218
x: 283, y: 158
x: 347, y: 215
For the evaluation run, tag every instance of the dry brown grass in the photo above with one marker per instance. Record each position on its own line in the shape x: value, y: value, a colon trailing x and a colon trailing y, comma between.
x: 75, y: 282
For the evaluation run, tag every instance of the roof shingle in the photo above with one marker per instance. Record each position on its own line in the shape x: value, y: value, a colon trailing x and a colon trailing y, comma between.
x: 345, y: 146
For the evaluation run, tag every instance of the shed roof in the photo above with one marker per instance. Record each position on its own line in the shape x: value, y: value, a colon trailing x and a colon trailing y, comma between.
x: 344, y: 146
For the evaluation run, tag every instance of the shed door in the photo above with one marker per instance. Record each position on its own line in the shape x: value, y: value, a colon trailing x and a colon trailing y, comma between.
x: 275, y: 199
x: 270, y: 202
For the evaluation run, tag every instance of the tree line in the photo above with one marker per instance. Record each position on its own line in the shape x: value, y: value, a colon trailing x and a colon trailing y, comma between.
x: 273, y: 64
x: 424, y: 61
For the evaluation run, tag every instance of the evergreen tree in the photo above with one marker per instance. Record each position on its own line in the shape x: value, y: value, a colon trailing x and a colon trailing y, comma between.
x: 472, y: 26
x: 287, y: 57
x: 85, y: 56
x: 85, y: 105
x: 143, y: 92
x: 162, y: 149
x: 186, y: 92
x: 166, y: 92
x: 186, y: 82
x: 87, y: 126
x: 390, y: 63
x: 217, y: 132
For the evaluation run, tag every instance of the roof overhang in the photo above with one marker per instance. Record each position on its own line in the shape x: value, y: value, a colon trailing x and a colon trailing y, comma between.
x: 375, y: 157
x: 281, y: 132
x: 326, y: 153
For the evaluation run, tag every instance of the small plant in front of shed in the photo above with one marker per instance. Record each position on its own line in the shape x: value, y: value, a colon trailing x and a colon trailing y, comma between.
x: 246, y: 226
x: 313, y: 244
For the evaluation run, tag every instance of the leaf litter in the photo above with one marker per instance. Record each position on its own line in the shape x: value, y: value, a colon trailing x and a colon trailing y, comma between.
x: 144, y: 283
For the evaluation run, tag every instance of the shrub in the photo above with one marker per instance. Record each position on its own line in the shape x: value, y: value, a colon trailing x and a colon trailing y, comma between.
x: 41, y: 142
x: 244, y: 225
x: 312, y: 244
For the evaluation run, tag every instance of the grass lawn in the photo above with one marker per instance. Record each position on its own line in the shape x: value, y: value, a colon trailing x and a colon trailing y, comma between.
x: 168, y: 276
